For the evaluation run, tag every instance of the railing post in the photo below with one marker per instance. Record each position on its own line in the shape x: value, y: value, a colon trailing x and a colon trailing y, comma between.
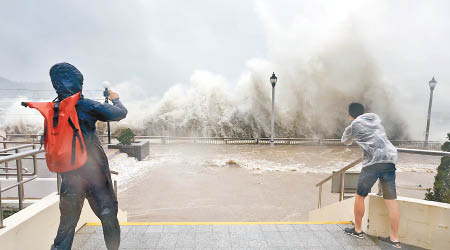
x: 319, y: 204
x: 34, y: 160
x: 115, y: 187
x: 58, y: 183
x: 380, y: 189
x: 19, y: 179
x: 6, y: 164
x: 341, y: 189
x: 1, y: 209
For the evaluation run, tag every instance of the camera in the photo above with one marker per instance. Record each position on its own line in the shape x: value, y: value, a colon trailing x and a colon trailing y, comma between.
x: 106, y: 84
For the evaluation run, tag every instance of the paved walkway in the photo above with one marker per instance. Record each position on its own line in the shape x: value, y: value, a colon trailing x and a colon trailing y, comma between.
x: 229, y: 237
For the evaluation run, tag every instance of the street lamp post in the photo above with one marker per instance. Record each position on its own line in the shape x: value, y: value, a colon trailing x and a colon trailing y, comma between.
x: 106, y: 84
x: 432, y: 84
x: 273, y: 81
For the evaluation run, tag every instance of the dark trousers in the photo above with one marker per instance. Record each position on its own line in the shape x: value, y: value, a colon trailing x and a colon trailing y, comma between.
x: 95, y: 184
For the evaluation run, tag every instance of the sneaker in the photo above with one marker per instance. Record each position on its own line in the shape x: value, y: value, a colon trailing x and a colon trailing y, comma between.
x: 352, y: 232
x: 388, y: 240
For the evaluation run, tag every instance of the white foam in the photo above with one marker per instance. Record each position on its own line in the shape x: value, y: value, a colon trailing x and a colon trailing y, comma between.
x: 129, y: 168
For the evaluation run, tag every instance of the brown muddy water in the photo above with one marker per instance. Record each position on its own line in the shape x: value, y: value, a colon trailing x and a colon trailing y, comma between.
x: 244, y: 182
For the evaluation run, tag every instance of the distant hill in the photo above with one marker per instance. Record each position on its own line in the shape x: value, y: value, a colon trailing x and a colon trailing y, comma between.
x: 9, y: 84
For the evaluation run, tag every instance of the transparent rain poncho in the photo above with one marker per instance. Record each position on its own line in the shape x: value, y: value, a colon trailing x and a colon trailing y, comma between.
x: 369, y: 134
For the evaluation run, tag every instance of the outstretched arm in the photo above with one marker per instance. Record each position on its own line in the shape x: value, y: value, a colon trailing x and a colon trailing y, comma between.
x: 107, y: 112
x: 347, y: 137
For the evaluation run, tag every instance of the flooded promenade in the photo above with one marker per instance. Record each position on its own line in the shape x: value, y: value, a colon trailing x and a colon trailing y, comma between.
x: 244, y: 182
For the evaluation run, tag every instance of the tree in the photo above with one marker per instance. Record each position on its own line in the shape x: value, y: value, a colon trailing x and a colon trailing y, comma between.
x: 441, y: 188
x: 126, y: 136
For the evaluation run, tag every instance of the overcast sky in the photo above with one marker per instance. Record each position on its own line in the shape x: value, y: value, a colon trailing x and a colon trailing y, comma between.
x: 157, y: 44
x: 162, y: 42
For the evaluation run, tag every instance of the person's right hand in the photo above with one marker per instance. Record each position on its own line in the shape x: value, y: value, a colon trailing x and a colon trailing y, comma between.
x: 112, y: 95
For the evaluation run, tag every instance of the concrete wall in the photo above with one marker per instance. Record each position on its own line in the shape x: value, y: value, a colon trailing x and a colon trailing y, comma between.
x: 339, y: 211
x: 34, y: 228
x: 423, y: 223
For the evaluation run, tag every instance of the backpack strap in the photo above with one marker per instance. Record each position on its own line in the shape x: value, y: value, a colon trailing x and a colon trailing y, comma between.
x: 76, y: 135
x: 43, y: 137
x: 55, y: 114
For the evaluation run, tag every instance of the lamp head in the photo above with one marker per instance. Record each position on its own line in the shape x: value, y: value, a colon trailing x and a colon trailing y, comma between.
x: 432, y: 83
x: 106, y: 84
x: 273, y: 80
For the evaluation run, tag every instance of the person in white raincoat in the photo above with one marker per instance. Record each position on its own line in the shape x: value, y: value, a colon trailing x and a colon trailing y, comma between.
x: 379, y: 160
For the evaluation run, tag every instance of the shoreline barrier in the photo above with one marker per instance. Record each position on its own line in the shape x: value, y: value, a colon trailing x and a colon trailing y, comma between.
x: 432, y: 145
x: 278, y: 141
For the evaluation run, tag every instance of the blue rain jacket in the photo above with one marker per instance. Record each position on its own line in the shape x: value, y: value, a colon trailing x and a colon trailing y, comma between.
x: 68, y: 80
x: 92, y: 180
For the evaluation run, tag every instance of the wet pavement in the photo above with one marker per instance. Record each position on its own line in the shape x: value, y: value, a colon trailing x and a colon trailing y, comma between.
x: 223, y: 236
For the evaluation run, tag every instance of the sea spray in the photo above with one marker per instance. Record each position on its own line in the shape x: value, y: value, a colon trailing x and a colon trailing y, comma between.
x: 311, y: 99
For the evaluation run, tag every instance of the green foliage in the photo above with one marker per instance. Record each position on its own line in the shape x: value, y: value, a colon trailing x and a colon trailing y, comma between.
x: 126, y: 136
x: 9, y: 212
x: 441, y: 188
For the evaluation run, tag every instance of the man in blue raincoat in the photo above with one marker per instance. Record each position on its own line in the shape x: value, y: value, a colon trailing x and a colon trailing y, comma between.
x: 92, y: 180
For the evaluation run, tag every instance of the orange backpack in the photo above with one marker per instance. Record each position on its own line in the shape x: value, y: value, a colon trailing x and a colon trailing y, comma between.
x: 63, y: 142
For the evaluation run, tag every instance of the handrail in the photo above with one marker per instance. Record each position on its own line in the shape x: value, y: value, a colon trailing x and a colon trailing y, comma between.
x: 20, y: 181
x: 23, y: 135
x: 16, y: 147
x: 423, y: 152
x: 354, y: 163
x: 20, y: 142
x: 216, y: 137
x: 342, y: 171
x: 20, y: 155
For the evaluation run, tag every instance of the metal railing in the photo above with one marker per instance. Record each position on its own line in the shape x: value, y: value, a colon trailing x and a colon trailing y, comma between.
x: 281, y: 141
x: 247, y: 140
x: 342, y: 171
x: 18, y: 156
x: 6, y: 152
x: 115, y: 181
x: 20, y: 171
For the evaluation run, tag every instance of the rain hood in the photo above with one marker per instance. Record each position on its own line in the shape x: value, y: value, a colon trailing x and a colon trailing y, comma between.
x: 66, y: 79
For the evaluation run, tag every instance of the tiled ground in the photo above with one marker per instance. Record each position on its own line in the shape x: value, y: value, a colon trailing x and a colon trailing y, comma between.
x: 264, y: 236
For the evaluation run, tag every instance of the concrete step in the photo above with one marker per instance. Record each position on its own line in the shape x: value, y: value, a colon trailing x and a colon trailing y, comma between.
x: 226, y: 235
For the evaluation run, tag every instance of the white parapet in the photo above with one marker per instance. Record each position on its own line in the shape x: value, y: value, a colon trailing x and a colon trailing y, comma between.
x: 339, y: 211
x: 35, y: 227
x: 423, y: 223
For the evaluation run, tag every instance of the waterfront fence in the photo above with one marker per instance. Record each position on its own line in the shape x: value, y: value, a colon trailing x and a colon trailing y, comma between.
x: 431, y: 145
